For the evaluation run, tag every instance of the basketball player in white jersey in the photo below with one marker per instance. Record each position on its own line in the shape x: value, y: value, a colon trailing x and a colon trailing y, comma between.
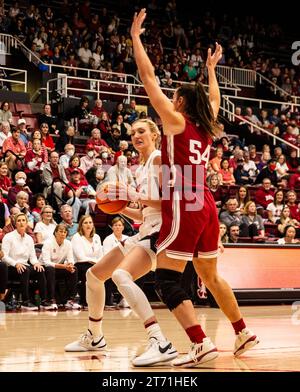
x: 135, y: 257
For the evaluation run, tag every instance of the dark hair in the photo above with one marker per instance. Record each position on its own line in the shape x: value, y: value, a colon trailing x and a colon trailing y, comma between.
x: 197, y: 107
x: 286, y: 229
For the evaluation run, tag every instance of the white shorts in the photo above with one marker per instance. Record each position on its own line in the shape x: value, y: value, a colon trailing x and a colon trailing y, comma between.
x: 148, y: 243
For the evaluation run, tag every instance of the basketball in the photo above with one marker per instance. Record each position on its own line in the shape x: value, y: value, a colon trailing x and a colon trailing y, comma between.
x: 109, y: 206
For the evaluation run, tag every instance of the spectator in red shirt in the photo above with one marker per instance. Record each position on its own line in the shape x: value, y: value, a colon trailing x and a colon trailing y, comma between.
x: 264, y: 195
x: 5, y: 181
x: 14, y: 144
x: 294, y: 180
x: 82, y: 193
x: 98, y: 108
x: 96, y: 141
x: 291, y: 198
x: 20, y: 185
x: 46, y: 138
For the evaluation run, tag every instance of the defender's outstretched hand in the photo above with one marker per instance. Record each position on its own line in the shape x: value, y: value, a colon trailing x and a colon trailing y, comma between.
x: 213, y: 59
x: 138, y: 20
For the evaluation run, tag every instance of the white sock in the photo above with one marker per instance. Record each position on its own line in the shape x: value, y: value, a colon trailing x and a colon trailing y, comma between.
x: 154, y: 331
x: 95, y: 296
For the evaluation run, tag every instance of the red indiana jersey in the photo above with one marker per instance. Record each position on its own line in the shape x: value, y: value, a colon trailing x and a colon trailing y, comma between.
x: 190, y: 225
x: 187, y: 155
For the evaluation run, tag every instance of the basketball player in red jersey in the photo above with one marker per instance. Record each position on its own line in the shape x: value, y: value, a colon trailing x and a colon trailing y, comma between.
x: 190, y: 226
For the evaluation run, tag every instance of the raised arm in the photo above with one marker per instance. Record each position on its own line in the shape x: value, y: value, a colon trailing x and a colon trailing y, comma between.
x: 214, y: 91
x: 173, y: 121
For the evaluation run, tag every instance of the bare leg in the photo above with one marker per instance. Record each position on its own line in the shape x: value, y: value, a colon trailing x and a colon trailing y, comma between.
x: 220, y: 289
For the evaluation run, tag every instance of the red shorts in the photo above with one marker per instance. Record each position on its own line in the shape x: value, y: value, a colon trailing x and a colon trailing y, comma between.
x: 186, y: 234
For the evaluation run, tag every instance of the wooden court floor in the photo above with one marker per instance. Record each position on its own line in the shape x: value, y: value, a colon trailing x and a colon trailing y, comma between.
x: 34, y: 342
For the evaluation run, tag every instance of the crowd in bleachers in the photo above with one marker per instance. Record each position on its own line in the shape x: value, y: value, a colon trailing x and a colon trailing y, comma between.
x: 97, y: 37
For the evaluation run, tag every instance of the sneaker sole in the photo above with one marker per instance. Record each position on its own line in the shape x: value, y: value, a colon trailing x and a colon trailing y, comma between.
x: 207, y: 357
x: 246, y: 346
x: 83, y: 349
x: 162, y: 362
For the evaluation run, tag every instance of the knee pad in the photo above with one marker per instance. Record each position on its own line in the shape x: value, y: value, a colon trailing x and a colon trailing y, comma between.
x: 168, y: 288
x: 124, y: 282
x: 91, y: 280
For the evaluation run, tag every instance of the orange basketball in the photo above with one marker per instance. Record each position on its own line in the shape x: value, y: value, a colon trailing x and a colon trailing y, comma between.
x: 110, y: 206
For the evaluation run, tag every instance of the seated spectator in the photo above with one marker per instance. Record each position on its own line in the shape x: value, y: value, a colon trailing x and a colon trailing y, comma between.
x: 95, y: 175
x: 294, y: 207
x: 74, y: 163
x: 47, y: 140
x: 225, y: 175
x: 83, y: 194
x: 123, y: 147
x: 293, y: 161
x: 252, y: 154
x: 113, y: 140
x: 87, y: 250
x: 38, y: 202
x: 15, y: 150
x: 19, y: 254
x: 38, y: 135
x: 274, y: 209
x: 5, y: 181
x: 54, y: 173
x: 65, y: 158
x: 268, y: 172
x: 35, y: 160
x: 57, y: 256
x: 20, y: 185
x: 131, y: 114
x: 82, y: 118
x: 120, y: 172
x: 66, y: 213
x: 223, y: 233
x: 14, y: 211
x: 216, y: 161
x: 87, y: 160
x: 22, y: 203
x: 233, y: 233
x: 264, y: 194
x: 47, y: 118
x: 213, y: 183
x: 105, y: 125
x: 294, y: 180
x: 4, y: 132
x: 250, y: 166
x: 242, y: 196
x: 265, y: 158
x: 123, y: 127
x: 45, y: 228
x: 242, y: 177
x: 238, y: 155
x: 98, y: 108
x: 289, y: 235
x: 24, y: 135
x: 232, y: 214
x: 252, y: 224
x: 4, y: 213
x: 5, y: 113
x: 285, y: 220
x: 96, y: 141
x: 252, y: 117
x: 282, y: 171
